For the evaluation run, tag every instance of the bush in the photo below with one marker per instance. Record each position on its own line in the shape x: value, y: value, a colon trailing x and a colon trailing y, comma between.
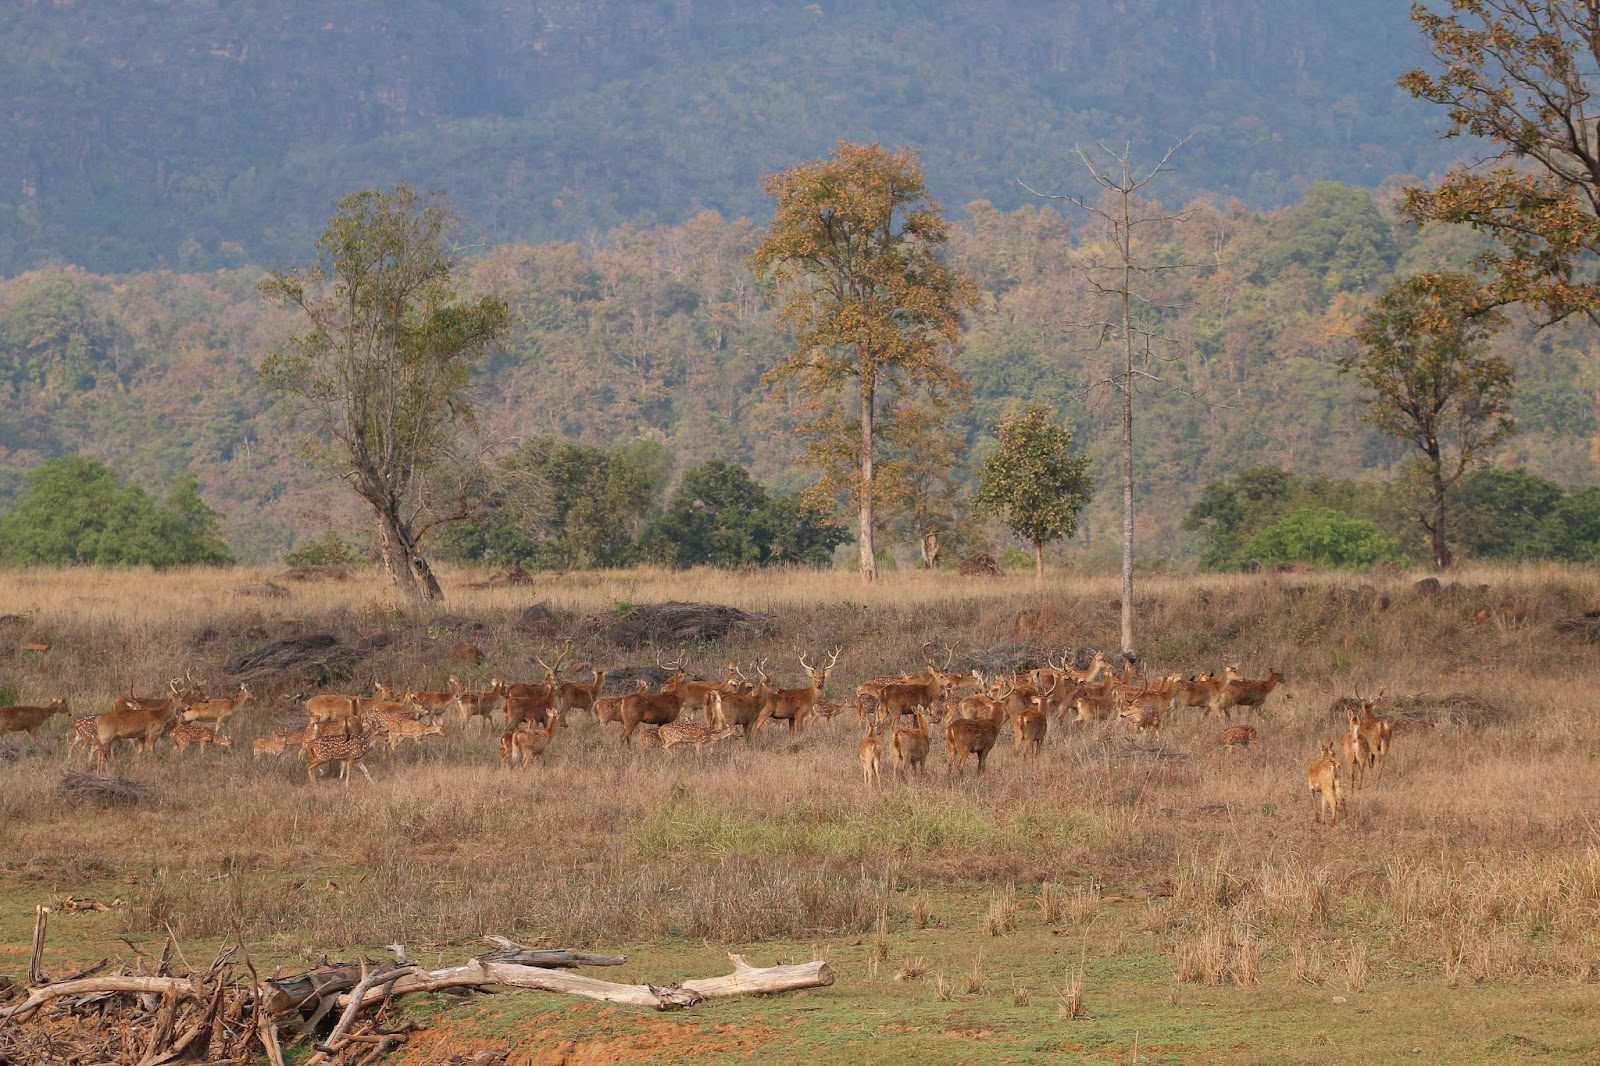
x: 1322, y: 537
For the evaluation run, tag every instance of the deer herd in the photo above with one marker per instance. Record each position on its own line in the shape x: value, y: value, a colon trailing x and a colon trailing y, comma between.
x: 894, y: 715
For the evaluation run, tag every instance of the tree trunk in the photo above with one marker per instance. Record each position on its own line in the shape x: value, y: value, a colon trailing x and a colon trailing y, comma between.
x: 408, y: 570
x: 869, y: 559
x: 1127, y: 438
x: 1442, y: 558
x: 1038, y: 562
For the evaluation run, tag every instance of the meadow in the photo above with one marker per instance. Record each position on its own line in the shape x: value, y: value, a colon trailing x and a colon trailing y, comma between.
x: 1150, y: 899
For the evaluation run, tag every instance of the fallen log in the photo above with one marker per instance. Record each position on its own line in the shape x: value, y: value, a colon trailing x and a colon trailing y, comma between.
x: 744, y: 981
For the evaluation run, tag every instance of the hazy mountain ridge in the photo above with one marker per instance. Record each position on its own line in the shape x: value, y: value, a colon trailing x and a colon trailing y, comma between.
x: 200, y: 134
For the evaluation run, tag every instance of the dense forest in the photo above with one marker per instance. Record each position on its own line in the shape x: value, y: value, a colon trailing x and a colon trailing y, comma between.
x: 203, y: 134
x: 661, y: 335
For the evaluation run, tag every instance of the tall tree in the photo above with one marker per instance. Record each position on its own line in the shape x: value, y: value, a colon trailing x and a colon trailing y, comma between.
x: 1035, y: 480
x: 1118, y: 277
x: 1430, y: 383
x: 852, y: 258
x: 384, y: 368
x: 1521, y: 75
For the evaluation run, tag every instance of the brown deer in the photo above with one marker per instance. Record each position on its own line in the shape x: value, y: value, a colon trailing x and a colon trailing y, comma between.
x: 1375, y: 731
x: 741, y: 710
x: 699, y: 693
x: 1322, y: 779
x: 793, y: 704
x: 480, y: 703
x: 537, y: 708
x: 217, y: 711
x: 910, y: 747
x: 871, y: 752
x: 968, y: 737
x: 1030, y: 728
x: 20, y: 719
x: 270, y: 745
x: 1203, y: 691
x: 142, y: 725
x: 1355, y: 752
x: 580, y: 695
x: 1247, y: 692
x: 654, y: 708
x: 521, y: 745
x: 432, y: 703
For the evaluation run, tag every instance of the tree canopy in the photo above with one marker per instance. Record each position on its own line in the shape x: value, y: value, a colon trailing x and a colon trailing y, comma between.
x: 1035, y: 481
x: 382, y: 371
x: 75, y: 510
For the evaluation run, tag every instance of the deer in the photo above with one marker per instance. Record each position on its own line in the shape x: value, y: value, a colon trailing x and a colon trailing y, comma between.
x: 871, y: 752
x: 949, y: 679
x: 680, y: 732
x: 520, y: 745
x: 273, y: 745
x: 741, y: 710
x: 332, y: 711
x: 1238, y: 736
x: 607, y: 709
x: 1031, y: 726
x: 699, y: 692
x: 142, y: 725
x: 537, y: 709
x: 969, y: 737
x: 1248, y: 692
x: 84, y: 732
x: 1202, y: 691
x: 793, y: 704
x: 580, y: 695
x: 433, y: 703
x: 1375, y: 731
x: 1322, y: 779
x: 346, y: 749
x: 21, y: 719
x: 910, y: 747
x: 1357, y: 755
x: 217, y: 711
x: 480, y: 703
x: 654, y: 708
x: 184, y: 735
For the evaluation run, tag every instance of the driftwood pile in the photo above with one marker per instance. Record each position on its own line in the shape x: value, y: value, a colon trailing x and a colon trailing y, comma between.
x: 339, y: 1011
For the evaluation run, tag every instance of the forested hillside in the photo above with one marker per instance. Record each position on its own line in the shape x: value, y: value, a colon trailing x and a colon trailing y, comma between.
x: 662, y: 334
x: 200, y: 134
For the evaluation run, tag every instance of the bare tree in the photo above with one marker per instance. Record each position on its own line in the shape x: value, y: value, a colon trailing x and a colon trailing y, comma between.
x: 1118, y: 276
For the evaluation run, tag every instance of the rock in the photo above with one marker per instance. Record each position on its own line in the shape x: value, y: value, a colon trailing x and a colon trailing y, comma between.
x: 538, y: 620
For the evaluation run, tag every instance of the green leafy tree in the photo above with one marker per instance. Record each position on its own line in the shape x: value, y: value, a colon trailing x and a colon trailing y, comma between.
x: 383, y: 370
x: 1337, y: 236
x: 720, y: 516
x: 1520, y: 76
x: 1035, y: 481
x: 1231, y: 510
x: 1573, y: 528
x: 555, y: 505
x: 852, y: 258
x: 1503, y: 514
x: 1322, y: 537
x: 75, y: 510
x: 1429, y: 382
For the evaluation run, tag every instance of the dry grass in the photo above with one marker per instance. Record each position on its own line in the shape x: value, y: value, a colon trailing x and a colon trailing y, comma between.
x: 1473, y: 856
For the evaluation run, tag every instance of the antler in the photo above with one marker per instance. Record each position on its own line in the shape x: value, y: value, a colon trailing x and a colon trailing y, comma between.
x: 833, y: 659
x: 950, y: 656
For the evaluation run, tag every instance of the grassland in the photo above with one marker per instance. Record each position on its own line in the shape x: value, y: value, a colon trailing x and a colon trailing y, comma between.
x: 1183, y: 892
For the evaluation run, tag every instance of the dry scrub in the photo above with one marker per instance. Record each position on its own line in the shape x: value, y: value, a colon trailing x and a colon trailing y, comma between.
x: 1474, y: 856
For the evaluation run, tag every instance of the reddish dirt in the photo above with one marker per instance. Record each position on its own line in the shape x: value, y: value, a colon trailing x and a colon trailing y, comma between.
x: 568, y: 1039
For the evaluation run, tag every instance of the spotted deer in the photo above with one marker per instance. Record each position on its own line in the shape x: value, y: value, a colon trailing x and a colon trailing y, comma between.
x: 674, y: 733
x: 1238, y: 736
x: 199, y: 735
x: 348, y: 749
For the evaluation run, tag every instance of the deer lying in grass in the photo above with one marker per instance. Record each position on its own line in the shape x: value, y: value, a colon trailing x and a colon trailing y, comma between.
x: 21, y: 719
x: 1355, y: 752
x: 680, y: 732
x: 910, y: 747
x: 968, y: 737
x: 1322, y: 779
x: 1237, y: 736
x: 521, y: 745
x: 1247, y: 692
x: 217, y: 711
x: 793, y: 704
x: 199, y: 735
